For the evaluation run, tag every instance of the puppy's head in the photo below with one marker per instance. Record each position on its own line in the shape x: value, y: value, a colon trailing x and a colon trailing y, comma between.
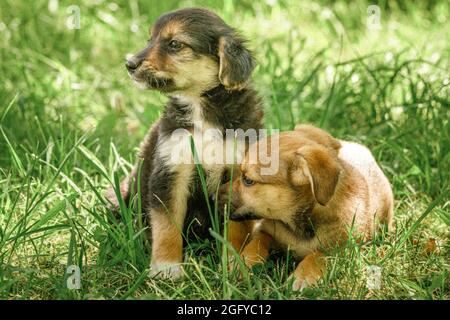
x: 308, y: 175
x: 191, y: 51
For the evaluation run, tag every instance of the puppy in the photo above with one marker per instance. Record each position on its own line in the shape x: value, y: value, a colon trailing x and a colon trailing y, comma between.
x: 203, y: 66
x: 323, y: 189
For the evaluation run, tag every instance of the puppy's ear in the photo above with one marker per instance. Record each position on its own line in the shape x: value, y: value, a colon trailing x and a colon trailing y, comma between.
x: 318, y: 166
x: 236, y: 63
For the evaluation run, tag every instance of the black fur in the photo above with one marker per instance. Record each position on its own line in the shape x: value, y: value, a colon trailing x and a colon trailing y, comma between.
x: 225, y: 109
x: 239, y: 62
x: 222, y: 107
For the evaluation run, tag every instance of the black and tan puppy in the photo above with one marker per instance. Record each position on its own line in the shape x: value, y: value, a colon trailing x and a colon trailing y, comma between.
x: 202, y: 64
x: 324, y: 188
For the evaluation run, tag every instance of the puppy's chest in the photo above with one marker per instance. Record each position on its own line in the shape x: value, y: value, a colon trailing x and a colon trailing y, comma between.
x: 196, y: 141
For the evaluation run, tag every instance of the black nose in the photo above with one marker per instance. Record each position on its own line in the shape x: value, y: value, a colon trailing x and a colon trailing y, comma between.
x: 132, y: 64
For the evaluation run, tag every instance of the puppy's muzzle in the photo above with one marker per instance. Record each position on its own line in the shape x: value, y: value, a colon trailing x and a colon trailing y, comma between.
x: 235, y: 203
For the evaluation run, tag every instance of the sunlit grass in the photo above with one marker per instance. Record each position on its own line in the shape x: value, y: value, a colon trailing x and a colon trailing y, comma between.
x: 70, y: 122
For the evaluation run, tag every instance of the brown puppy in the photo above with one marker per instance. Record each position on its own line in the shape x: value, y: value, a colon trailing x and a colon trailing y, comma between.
x: 202, y: 64
x: 323, y: 188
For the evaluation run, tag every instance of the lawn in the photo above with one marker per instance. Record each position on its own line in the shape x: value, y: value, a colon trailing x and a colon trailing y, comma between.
x: 71, y: 121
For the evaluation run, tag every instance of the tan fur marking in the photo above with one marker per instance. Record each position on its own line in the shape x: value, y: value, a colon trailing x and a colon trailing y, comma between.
x: 172, y: 28
x: 223, y: 62
x: 167, y: 243
x: 167, y: 227
x: 195, y: 76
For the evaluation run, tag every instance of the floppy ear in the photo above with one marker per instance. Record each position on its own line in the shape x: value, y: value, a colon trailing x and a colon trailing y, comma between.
x: 317, y: 165
x: 236, y: 63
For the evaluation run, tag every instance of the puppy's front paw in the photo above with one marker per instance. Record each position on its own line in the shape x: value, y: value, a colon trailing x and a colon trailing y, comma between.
x: 251, y: 259
x: 300, y: 283
x: 308, y: 272
x: 166, y: 270
x: 303, y: 280
x: 255, y: 253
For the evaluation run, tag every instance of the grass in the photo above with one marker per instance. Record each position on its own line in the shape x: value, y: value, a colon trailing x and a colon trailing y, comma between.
x: 70, y: 122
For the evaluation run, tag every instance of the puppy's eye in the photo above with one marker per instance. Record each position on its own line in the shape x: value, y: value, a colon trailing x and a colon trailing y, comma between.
x: 247, y: 181
x: 175, y: 45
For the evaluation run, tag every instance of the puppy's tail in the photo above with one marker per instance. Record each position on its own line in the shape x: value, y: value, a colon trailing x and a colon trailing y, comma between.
x: 129, y: 186
x: 111, y: 196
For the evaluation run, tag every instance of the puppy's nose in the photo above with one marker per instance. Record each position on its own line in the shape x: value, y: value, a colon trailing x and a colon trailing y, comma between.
x: 132, y: 64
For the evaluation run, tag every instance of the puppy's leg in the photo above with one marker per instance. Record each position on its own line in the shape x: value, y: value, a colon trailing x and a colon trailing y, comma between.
x: 257, y: 250
x: 309, y: 271
x: 239, y: 233
x: 167, y: 227
x: 167, y: 245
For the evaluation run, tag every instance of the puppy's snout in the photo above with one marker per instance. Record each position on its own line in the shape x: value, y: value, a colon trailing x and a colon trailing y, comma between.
x: 224, y: 195
x: 229, y: 198
x: 133, y: 63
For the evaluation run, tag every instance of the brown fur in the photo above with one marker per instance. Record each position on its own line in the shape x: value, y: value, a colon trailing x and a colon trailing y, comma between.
x: 257, y: 250
x: 239, y: 233
x: 323, y: 188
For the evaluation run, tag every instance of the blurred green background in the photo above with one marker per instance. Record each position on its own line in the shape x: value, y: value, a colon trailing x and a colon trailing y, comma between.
x: 70, y: 116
